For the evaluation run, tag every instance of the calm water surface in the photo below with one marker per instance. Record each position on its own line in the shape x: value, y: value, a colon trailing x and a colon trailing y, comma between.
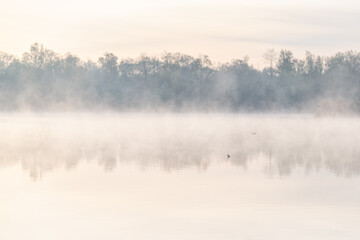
x: 167, y: 176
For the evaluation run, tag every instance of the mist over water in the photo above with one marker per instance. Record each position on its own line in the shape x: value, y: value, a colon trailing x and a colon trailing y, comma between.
x: 44, y: 142
x: 168, y: 176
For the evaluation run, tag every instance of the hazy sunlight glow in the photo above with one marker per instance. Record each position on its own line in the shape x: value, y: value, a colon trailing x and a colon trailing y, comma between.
x: 224, y: 30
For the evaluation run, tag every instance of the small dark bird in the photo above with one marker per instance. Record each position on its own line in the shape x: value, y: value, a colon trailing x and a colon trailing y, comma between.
x: 228, y: 156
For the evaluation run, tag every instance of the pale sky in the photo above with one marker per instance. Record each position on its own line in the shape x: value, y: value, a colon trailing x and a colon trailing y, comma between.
x: 222, y: 29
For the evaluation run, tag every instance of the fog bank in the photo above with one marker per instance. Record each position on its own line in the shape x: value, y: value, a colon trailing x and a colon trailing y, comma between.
x: 42, y: 80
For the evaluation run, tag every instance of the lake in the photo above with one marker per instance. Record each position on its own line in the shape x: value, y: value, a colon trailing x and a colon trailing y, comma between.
x: 168, y: 176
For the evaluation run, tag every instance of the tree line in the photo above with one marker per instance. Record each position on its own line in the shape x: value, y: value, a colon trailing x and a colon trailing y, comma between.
x: 42, y: 80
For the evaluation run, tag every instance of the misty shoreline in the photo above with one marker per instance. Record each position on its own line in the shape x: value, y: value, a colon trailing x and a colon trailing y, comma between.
x: 42, y: 80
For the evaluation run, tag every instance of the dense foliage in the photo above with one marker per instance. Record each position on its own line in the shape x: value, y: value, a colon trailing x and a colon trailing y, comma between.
x: 42, y: 80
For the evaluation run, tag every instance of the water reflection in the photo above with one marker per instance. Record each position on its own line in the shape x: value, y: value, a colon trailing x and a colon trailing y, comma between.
x: 173, y: 142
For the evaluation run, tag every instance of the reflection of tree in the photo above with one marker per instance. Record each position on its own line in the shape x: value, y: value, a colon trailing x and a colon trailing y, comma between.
x: 279, y: 157
x: 43, y: 144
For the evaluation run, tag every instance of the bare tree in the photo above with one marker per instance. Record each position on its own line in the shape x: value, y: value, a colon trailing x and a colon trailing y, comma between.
x: 270, y: 56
